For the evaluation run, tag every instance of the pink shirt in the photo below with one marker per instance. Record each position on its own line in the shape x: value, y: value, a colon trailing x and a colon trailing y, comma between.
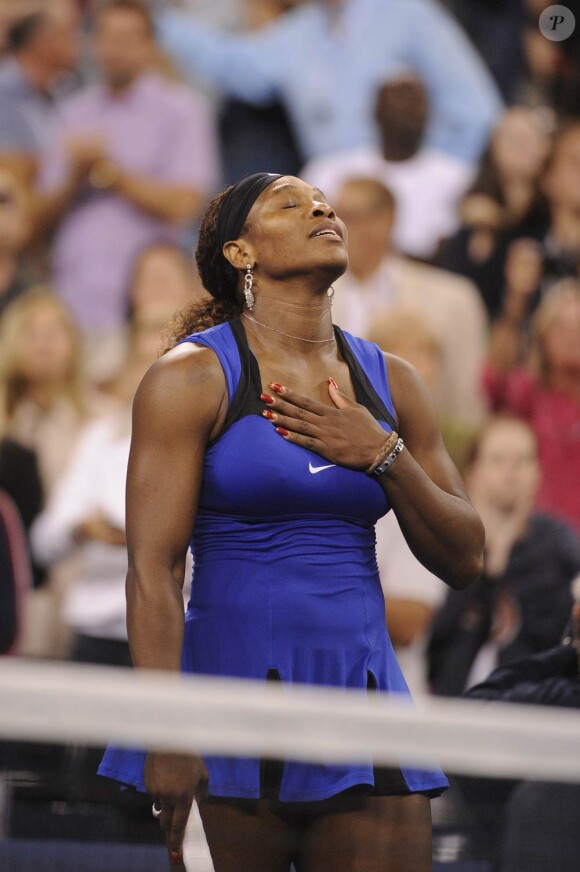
x: 156, y: 129
x: 555, y: 419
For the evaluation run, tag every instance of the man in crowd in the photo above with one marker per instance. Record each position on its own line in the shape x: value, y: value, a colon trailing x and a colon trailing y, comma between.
x: 325, y: 61
x: 522, y: 602
x: 133, y: 164
x: 379, y: 279
x: 428, y: 183
x: 42, y: 46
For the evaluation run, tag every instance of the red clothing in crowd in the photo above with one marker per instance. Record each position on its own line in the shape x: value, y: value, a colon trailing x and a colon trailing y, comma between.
x: 555, y: 419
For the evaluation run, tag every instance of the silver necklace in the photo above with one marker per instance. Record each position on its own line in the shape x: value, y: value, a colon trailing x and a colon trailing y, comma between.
x: 289, y: 335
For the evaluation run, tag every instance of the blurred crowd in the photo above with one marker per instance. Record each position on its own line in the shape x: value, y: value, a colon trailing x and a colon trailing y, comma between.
x: 447, y: 137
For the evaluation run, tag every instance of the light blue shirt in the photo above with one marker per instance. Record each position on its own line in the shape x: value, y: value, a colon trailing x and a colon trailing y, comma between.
x: 27, y: 115
x: 325, y: 63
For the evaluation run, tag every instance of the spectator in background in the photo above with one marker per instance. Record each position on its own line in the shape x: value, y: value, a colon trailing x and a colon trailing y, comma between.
x: 533, y: 824
x: 495, y: 27
x: 552, y: 77
x: 378, y: 279
x: 86, y: 514
x: 504, y: 203
x: 83, y: 525
x: 561, y: 185
x: 42, y: 403
x: 556, y: 229
x: 42, y: 46
x: 19, y: 478
x: 546, y: 391
x: 43, y: 406
x: 253, y: 137
x: 15, y: 230
x: 521, y: 603
x: 311, y: 59
x: 163, y: 281
x: 427, y: 182
x: 11, y: 11
x: 134, y: 162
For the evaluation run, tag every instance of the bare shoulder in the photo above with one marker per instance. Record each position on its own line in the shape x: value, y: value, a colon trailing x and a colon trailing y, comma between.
x: 188, y: 385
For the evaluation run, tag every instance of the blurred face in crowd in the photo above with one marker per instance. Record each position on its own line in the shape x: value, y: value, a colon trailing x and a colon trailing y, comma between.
x: 402, y: 111
x: 163, y: 281
x: 46, y: 349
x: 124, y: 46
x: 558, y: 330
x: 13, y: 213
x: 505, y: 474
x: 562, y: 179
x: 367, y: 209
x: 520, y: 145
x: 56, y: 44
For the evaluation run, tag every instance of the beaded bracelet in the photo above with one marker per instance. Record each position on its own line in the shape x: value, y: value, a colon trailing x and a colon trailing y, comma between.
x: 384, y: 451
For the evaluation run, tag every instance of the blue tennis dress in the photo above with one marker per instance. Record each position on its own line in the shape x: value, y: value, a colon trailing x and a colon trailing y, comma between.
x: 285, y: 583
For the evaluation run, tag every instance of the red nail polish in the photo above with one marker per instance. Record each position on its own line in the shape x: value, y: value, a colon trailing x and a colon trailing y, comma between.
x: 175, y: 856
x: 282, y: 431
x: 333, y: 383
x: 266, y: 398
x: 276, y: 387
x: 268, y: 414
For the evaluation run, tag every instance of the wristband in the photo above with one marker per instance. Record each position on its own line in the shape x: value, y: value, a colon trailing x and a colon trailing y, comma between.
x: 390, y: 459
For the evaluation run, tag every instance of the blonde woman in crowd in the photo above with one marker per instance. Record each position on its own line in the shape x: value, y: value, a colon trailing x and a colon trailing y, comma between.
x: 42, y: 404
x: 42, y: 408
x: 85, y: 515
x: 546, y: 391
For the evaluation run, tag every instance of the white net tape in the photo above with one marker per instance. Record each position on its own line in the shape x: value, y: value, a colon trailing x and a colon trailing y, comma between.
x: 94, y: 705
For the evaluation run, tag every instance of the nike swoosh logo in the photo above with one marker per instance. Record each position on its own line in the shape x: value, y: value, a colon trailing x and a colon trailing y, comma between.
x: 315, y: 469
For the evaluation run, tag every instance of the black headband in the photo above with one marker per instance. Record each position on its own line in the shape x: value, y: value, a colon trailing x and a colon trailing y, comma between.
x: 236, y: 206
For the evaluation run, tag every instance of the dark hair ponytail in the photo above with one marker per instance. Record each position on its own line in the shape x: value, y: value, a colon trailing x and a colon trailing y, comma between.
x: 218, y: 277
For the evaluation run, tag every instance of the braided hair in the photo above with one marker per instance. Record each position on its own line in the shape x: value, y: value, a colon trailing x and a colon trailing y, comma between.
x: 218, y: 277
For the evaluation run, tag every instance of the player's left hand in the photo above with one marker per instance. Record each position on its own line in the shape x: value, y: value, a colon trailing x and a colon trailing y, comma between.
x: 345, y: 433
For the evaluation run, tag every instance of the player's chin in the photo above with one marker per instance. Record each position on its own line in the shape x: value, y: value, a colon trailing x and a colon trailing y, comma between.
x: 334, y: 257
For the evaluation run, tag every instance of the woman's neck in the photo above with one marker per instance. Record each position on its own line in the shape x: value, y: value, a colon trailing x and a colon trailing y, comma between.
x: 291, y: 317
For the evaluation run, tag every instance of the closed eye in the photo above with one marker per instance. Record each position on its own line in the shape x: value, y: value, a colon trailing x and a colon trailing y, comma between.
x: 289, y: 206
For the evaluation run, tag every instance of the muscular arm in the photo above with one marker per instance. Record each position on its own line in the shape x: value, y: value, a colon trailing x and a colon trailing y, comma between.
x: 425, y: 490
x: 177, y: 408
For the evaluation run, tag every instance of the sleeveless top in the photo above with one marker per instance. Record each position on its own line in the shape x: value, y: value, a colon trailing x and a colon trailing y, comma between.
x: 285, y: 582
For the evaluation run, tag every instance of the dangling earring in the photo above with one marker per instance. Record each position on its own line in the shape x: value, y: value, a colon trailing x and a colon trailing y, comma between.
x: 249, y: 279
x: 330, y: 294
